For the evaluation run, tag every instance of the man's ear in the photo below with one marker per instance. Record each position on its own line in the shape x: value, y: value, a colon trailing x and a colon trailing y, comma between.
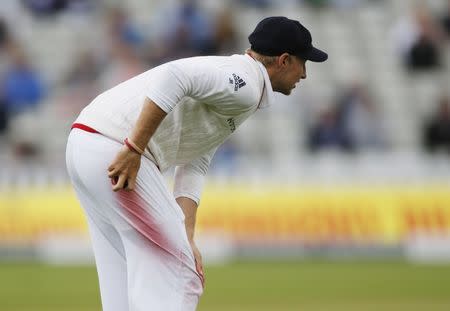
x: 283, y: 59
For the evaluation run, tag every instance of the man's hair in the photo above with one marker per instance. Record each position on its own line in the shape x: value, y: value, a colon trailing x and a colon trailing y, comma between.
x: 263, y: 59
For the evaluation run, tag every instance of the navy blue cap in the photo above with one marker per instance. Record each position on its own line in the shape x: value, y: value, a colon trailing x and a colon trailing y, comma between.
x: 276, y: 35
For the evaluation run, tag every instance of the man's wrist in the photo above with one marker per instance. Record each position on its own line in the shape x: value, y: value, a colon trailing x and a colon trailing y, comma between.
x: 132, y: 146
x: 190, y: 236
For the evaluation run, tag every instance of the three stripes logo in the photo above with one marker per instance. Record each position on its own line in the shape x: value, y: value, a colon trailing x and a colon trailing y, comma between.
x: 238, y: 82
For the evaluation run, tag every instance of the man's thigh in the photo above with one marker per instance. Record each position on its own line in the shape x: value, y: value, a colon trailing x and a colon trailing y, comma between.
x: 160, y: 262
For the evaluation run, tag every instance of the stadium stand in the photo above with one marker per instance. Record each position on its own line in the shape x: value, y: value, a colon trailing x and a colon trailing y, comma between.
x: 357, y: 39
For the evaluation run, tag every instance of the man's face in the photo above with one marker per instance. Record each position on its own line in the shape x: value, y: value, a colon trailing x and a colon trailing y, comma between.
x: 291, y: 70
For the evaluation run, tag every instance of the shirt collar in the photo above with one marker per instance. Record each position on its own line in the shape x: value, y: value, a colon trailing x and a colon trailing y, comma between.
x: 268, y: 94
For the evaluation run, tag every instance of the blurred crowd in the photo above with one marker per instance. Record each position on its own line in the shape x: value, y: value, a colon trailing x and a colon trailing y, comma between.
x: 350, y: 122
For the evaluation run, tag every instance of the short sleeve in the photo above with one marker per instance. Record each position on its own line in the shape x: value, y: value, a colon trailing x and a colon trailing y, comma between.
x: 202, y: 79
x: 168, y: 85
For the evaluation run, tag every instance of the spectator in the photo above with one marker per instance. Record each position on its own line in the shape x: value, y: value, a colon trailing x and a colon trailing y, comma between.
x: 424, y: 54
x: 45, y: 8
x: 191, y: 32
x: 23, y: 90
x: 85, y: 69
x: 436, y: 135
x: 225, y: 40
x: 417, y: 39
x: 81, y: 84
x: 360, y: 119
x: 4, y: 119
x: 352, y: 124
x: 4, y: 34
x: 122, y: 29
x: 445, y: 20
x: 327, y: 132
x: 22, y: 86
x: 5, y: 43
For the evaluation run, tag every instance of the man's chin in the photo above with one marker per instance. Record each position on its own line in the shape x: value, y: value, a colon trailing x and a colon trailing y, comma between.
x: 286, y: 92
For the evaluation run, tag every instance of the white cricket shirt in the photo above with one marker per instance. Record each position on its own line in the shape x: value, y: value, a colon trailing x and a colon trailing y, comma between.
x: 206, y: 99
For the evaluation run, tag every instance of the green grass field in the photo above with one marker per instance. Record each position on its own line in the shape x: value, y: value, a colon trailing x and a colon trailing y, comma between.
x: 250, y: 286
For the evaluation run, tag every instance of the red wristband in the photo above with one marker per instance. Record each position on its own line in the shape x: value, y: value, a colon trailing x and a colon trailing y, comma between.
x: 131, y: 147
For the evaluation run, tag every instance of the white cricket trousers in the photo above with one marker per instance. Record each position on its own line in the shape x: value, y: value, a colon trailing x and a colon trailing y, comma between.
x: 143, y: 257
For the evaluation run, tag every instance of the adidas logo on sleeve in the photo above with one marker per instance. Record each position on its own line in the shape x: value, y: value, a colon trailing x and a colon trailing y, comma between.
x: 238, y: 82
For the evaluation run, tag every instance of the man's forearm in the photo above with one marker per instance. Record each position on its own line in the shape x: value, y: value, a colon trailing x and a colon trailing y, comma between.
x: 189, y: 208
x: 149, y: 119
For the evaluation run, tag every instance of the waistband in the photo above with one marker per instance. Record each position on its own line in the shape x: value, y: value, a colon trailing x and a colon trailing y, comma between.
x: 84, y: 128
x: 89, y: 129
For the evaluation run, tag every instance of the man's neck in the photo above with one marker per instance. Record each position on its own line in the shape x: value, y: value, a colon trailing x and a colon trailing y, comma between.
x: 269, y: 69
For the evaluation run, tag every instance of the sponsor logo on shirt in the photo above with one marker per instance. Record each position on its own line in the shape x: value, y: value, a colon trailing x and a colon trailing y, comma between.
x: 231, y: 124
x: 238, y: 82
